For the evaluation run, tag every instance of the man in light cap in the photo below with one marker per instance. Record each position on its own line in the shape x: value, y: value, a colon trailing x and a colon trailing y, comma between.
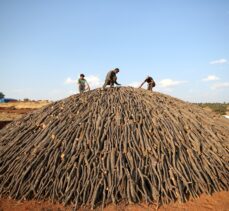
x: 111, y: 78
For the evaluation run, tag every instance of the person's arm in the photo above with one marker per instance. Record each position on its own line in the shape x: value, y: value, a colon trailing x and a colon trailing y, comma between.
x: 117, y: 83
x: 142, y: 84
x: 88, y: 86
x: 114, y: 79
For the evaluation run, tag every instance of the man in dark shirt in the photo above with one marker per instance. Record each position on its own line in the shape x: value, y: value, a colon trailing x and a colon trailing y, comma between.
x: 151, y: 83
x: 111, y: 78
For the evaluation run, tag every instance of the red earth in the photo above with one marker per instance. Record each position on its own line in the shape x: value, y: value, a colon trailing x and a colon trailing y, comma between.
x: 217, y: 202
x: 14, y: 110
x: 8, y: 112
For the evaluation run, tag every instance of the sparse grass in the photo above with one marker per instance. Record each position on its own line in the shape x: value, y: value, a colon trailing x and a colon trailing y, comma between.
x: 220, y: 108
x: 26, y: 104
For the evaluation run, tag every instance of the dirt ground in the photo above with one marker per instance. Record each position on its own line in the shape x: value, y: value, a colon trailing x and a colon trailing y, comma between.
x: 25, y: 105
x: 11, y: 113
x: 216, y: 202
x: 15, y: 110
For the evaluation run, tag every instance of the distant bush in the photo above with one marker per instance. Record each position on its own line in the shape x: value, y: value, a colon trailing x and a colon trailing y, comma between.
x: 1, y: 95
x: 220, y: 108
x: 26, y: 100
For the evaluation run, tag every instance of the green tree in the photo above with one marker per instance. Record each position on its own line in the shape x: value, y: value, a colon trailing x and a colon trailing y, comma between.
x: 1, y: 95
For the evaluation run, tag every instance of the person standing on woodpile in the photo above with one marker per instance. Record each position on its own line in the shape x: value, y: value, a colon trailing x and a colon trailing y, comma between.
x: 111, y: 78
x: 82, y: 82
x: 151, y: 83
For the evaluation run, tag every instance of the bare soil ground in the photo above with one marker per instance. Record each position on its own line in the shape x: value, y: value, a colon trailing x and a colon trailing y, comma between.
x: 15, y: 110
x: 11, y: 113
x: 25, y: 105
x: 216, y: 202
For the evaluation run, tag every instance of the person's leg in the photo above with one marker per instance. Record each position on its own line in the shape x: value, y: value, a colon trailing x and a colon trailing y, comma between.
x: 112, y: 83
x: 150, y: 87
x: 81, y: 88
x: 105, y: 84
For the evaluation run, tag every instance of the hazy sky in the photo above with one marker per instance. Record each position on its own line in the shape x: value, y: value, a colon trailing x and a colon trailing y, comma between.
x: 183, y: 44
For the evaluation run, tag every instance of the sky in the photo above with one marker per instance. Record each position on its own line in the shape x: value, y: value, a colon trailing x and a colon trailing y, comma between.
x: 182, y: 44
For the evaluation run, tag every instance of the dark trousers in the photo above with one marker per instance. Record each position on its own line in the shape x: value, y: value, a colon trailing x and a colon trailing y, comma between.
x: 150, y: 86
x: 81, y: 88
x: 111, y: 83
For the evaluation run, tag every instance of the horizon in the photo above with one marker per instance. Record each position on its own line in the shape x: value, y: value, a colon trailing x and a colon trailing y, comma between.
x: 49, y: 100
x: 184, y: 46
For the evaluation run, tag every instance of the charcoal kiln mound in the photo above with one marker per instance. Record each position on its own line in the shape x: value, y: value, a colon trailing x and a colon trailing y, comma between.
x: 118, y: 144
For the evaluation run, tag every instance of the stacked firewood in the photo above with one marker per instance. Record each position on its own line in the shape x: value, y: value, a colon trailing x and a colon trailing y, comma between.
x: 118, y: 144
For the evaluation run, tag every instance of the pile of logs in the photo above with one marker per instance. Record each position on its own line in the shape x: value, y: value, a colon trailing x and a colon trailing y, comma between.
x: 118, y: 144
